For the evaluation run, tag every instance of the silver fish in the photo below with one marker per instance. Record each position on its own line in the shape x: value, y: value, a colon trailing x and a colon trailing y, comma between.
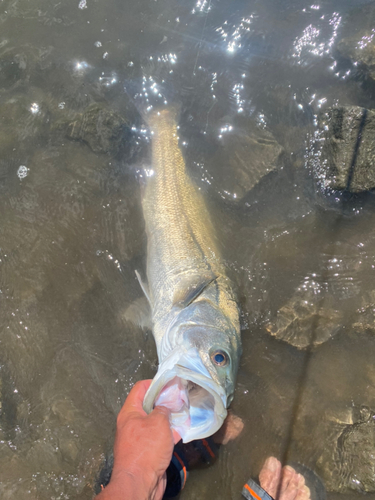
x: 195, y: 316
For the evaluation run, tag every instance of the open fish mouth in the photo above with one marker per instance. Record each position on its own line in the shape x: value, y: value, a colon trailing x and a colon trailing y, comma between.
x: 184, y: 386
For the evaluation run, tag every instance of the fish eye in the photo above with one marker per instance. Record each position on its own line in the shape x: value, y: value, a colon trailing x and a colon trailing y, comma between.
x: 219, y: 358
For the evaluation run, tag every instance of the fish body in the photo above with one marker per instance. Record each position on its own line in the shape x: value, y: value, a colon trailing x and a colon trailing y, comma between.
x: 195, y: 315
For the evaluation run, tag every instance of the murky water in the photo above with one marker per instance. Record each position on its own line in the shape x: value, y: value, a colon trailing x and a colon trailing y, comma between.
x: 250, y: 77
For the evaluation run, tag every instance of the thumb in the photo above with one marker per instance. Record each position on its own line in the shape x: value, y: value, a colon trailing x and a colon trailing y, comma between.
x: 162, y: 410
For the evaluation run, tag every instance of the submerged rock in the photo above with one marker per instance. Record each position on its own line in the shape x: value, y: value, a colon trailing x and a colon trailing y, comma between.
x: 360, y: 49
x: 350, y: 464
x: 20, y: 64
x: 305, y: 320
x: 345, y: 159
x: 102, y: 129
x: 242, y: 160
x: 12, y: 68
x: 24, y: 123
x: 366, y: 319
x: 357, y: 44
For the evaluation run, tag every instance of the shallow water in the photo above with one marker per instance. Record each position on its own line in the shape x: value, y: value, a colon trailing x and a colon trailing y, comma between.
x: 72, y: 232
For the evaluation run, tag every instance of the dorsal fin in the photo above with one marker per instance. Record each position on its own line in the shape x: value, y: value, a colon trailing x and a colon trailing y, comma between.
x: 190, y: 288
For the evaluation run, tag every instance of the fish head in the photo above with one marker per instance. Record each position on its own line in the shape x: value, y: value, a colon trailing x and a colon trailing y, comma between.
x: 219, y: 353
x: 196, y: 382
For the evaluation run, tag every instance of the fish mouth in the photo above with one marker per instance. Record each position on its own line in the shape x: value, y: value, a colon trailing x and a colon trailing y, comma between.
x: 184, y: 386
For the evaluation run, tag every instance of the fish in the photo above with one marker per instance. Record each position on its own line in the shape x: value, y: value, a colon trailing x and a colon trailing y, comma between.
x: 194, y: 309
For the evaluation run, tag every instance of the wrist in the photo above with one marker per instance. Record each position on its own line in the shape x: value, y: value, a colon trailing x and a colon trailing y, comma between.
x: 131, y: 482
x: 123, y: 486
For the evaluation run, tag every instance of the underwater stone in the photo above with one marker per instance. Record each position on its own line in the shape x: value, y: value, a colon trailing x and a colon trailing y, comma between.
x: 305, y: 320
x: 346, y: 150
x: 360, y: 49
x: 24, y: 121
x: 102, y: 129
x: 349, y: 465
x: 366, y: 314
x: 357, y: 44
x: 242, y: 160
x: 12, y: 68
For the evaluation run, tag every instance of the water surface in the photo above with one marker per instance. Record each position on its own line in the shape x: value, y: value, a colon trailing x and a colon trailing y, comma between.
x: 250, y: 78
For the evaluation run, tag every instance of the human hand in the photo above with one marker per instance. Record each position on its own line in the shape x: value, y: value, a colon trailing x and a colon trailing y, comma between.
x: 142, y: 450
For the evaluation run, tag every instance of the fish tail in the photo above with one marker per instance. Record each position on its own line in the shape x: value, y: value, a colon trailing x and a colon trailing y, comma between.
x: 168, y: 115
x: 153, y: 114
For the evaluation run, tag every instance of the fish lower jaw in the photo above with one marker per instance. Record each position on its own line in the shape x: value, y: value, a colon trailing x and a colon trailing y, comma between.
x: 197, y: 403
x: 194, y: 412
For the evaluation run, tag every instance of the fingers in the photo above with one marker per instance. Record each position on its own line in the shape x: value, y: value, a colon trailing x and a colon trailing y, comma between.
x: 134, y: 401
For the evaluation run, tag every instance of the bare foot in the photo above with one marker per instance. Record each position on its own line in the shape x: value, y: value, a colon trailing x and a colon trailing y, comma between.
x: 282, y: 483
x: 231, y: 428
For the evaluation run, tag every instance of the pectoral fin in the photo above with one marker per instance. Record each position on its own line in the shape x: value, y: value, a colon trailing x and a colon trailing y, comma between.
x: 139, y: 313
x: 190, y: 288
x: 143, y: 286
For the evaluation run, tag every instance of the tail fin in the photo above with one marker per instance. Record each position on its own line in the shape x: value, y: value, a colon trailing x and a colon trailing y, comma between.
x: 167, y: 115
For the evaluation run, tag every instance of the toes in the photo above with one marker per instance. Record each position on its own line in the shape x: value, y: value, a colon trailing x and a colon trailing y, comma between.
x: 233, y: 428
x: 301, y: 481
x: 269, y: 476
x: 282, y: 483
x: 289, y: 484
x: 303, y: 493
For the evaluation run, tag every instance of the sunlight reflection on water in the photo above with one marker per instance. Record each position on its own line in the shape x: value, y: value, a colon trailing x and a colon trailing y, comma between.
x: 251, y: 80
